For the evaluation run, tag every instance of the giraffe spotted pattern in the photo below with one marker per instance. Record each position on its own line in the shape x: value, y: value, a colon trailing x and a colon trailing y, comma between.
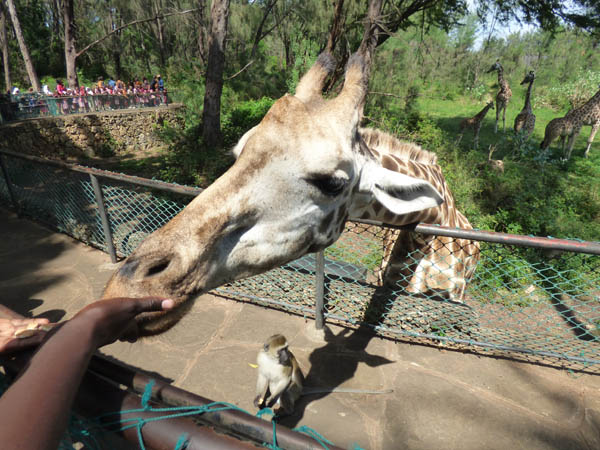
x: 421, y: 264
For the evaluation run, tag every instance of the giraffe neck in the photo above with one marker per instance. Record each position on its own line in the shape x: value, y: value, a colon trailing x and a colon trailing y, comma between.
x: 501, y: 81
x: 527, y: 106
x: 588, y: 113
x: 482, y: 113
x: 408, y: 159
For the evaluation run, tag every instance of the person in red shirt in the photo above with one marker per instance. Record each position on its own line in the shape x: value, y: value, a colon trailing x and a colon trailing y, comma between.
x: 60, y: 88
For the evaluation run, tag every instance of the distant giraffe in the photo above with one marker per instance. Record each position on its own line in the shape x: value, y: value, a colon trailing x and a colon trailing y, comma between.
x: 474, y: 123
x: 525, y: 120
x: 503, y: 96
x: 570, y: 125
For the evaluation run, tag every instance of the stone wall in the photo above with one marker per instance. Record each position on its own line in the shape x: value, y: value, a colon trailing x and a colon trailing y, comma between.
x: 91, y: 135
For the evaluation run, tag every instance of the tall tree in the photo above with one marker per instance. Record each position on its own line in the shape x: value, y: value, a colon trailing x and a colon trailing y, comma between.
x: 4, y: 46
x: 211, y: 116
x: 200, y: 22
x: 70, y: 50
x: 33, y: 78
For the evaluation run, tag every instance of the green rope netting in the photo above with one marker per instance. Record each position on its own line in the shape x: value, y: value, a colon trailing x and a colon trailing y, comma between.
x: 83, y: 430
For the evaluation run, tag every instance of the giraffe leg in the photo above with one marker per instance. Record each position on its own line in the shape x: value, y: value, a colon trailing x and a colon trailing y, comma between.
x: 504, y: 120
x: 591, y: 138
x: 476, y: 138
x: 571, y: 142
x: 497, y: 117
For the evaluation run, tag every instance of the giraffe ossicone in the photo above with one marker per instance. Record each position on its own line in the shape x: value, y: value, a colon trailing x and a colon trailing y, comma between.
x: 298, y: 177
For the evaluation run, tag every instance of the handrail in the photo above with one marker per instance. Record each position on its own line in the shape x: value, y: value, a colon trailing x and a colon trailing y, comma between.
x: 548, y: 243
x: 154, y: 184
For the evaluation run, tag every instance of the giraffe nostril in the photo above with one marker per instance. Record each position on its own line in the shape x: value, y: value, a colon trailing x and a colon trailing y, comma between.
x: 157, y: 268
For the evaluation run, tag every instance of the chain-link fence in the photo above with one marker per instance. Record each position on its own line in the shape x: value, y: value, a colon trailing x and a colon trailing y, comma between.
x: 529, y: 297
x: 28, y: 106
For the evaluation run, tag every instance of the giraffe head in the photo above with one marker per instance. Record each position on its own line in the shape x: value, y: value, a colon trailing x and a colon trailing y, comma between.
x: 528, y: 78
x: 297, y: 177
x: 495, y: 67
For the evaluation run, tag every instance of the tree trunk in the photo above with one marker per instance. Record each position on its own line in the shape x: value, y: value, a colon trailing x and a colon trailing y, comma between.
x: 70, y: 50
x: 211, y: 116
x: 4, y: 45
x: 258, y: 36
x: 160, y: 34
x: 201, y: 35
x: 337, y: 26
x: 35, y: 82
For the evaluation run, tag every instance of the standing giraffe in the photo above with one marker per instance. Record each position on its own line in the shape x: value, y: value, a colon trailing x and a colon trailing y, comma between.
x: 525, y: 120
x: 474, y: 123
x: 298, y: 176
x: 570, y: 125
x: 503, y: 96
x: 422, y: 264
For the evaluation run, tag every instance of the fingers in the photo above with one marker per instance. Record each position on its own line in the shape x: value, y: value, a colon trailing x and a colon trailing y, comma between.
x: 16, y: 344
x: 147, y: 304
x: 19, y: 323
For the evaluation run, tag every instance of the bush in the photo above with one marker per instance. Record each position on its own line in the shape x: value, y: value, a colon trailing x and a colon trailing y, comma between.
x: 244, y: 116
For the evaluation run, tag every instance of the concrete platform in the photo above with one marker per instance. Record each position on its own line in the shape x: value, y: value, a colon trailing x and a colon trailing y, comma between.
x: 441, y: 400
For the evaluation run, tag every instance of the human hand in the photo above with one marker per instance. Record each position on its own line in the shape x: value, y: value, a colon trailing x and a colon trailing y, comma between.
x: 109, y: 319
x: 19, y: 334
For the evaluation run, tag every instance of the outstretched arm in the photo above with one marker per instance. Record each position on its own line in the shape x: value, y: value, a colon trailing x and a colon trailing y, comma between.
x: 34, y: 411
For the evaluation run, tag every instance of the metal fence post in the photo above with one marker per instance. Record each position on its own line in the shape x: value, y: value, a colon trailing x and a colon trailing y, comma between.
x: 319, y: 290
x: 104, y: 217
x: 11, y: 193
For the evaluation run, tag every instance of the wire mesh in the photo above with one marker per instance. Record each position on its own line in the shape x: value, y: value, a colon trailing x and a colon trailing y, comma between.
x: 521, y: 301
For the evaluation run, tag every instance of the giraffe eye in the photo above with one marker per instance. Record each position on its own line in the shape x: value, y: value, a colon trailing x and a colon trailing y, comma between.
x: 328, y: 185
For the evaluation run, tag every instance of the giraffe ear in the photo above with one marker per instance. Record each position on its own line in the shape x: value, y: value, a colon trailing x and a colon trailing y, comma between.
x: 239, y: 147
x: 399, y: 193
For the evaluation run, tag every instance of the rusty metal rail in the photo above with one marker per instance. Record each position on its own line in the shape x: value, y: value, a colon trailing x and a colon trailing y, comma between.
x: 154, y: 184
x: 547, y: 243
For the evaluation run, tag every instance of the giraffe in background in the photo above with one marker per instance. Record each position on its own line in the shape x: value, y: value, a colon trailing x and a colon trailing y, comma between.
x: 503, y: 96
x: 422, y: 264
x: 570, y: 125
x: 525, y: 120
x: 474, y: 123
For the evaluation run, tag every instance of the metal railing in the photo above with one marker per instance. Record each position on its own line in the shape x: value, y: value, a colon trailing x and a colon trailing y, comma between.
x: 529, y: 297
x: 29, y: 106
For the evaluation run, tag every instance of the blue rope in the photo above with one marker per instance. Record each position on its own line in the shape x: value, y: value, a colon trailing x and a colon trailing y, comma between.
x: 182, y: 442
x: 315, y: 435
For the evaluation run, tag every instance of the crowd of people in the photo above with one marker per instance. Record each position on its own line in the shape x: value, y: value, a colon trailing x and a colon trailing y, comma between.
x: 101, y: 96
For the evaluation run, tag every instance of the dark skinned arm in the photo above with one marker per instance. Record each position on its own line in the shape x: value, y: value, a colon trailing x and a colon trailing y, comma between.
x: 34, y: 411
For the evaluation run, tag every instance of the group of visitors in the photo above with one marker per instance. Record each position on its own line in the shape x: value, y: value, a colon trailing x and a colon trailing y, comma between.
x: 110, y: 87
x: 101, y: 96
